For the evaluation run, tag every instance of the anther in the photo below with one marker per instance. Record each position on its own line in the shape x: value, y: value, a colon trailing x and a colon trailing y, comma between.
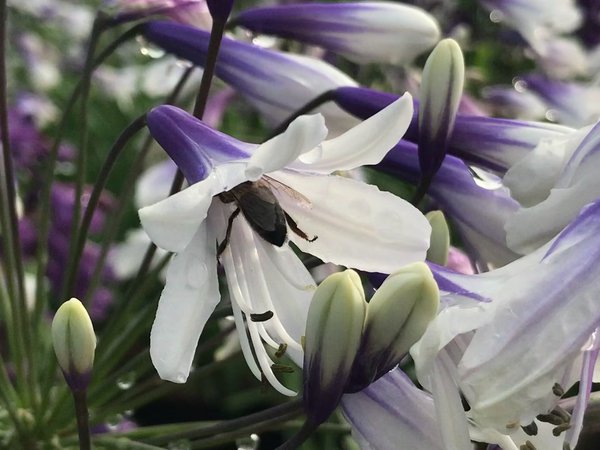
x: 558, y: 390
x: 262, y: 317
x: 531, y: 429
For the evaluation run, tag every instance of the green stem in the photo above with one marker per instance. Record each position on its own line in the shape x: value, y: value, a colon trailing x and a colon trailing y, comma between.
x: 286, y: 410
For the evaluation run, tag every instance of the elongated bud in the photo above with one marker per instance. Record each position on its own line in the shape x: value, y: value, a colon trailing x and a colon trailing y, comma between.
x: 220, y: 9
x: 74, y: 343
x: 441, y: 89
x: 439, y: 243
x: 333, y: 333
x: 397, y: 317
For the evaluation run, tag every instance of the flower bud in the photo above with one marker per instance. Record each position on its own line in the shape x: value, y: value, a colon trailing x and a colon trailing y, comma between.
x: 397, y: 317
x: 441, y: 90
x: 333, y: 333
x: 440, y: 238
x: 74, y: 343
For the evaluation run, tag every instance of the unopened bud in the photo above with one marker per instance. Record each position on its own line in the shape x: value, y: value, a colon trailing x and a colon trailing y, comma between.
x: 333, y: 333
x: 440, y: 93
x: 397, y: 317
x: 74, y: 343
x: 439, y: 243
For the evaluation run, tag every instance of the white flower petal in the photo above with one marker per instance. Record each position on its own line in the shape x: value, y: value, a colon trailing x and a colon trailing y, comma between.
x: 155, y: 183
x: 187, y: 301
x: 302, y: 135
x: 356, y: 224
x: 366, y: 143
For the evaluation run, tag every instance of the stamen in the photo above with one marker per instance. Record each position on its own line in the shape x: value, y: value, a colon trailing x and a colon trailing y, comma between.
x: 281, y: 368
x: 531, y: 429
x: 281, y: 350
x: 261, y: 317
x: 557, y: 431
x: 527, y: 446
x: 558, y: 390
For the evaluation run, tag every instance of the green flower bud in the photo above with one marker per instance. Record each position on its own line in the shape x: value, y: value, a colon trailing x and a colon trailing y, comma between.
x: 333, y: 334
x: 440, y: 93
x: 397, y: 317
x: 74, y: 343
x: 440, y: 238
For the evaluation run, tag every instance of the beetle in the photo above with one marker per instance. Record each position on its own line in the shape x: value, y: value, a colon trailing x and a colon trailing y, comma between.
x: 256, y: 201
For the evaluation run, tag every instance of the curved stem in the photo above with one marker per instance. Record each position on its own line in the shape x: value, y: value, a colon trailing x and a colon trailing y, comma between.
x: 283, y: 412
x: 314, y: 103
x: 83, y: 417
x: 126, y: 135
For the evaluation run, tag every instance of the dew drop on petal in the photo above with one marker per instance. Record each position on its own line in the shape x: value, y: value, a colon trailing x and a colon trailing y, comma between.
x: 551, y: 115
x: 126, y: 381
x: 181, y: 444
x: 148, y: 49
x: 248, y: 443
x: 496, y: 16
x: 520, y: 85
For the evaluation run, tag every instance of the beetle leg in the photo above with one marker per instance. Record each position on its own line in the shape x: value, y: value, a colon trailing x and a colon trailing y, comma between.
x: 294, y: 227
x: 223, y: 244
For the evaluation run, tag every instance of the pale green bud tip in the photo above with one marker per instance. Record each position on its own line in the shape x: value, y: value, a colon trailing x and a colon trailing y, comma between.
x: 74, y: 342
x: 397, y: 317
x: 440, y: 238
x: 333, y: 333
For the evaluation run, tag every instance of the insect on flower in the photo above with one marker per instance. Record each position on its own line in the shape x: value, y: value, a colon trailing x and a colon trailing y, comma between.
x: 256, y: 201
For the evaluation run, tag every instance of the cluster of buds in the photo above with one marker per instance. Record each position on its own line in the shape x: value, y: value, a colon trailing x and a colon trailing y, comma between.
x: 350, y: 343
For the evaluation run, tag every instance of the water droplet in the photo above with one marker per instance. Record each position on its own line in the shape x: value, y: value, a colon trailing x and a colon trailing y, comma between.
x: 496, y: 16
x: 265, y: 41
x: 113, y: 422
x: 148, y: 49
x: 248, y: 443
x: 552, y: 115
x: 182, y: 444
x: 196, y: 273
x: 484, y: 179
x: 520, y: 85
x: 126, y: 381
x: 184, y: 63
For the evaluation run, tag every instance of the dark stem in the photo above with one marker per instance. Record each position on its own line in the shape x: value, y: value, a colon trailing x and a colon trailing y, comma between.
x: 82, y: 415
x: 128, y: 133
x: 81, y: 162
x: 216, y: 35
x: 300, y: 437
x: 112, y: 227
x: 422, y: 188
x: 314, y: 103
x: 285, y: 411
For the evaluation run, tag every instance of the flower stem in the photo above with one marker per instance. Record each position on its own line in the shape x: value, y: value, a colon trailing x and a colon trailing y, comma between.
x: 82, y: 414
x: 126, y: 135
x: 308, y: 107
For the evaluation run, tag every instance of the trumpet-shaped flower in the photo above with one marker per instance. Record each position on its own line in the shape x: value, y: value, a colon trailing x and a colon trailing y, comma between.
x: 506, y: 339
x: 337, y: 219
x: 262, y: 76
x: 552, y: 184
x: 495, y: 144
x: 362, y: 31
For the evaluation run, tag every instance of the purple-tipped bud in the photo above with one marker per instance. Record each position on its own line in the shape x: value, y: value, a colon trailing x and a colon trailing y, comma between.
x: 333, y: 332
x: 397, y: 317
x: 441, y: 89
x: 74, y: 343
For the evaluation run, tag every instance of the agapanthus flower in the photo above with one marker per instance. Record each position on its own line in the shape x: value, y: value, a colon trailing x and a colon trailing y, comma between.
x: 478, y: 208
x: 337, y: 219
x: 364, y: 32
x: 495, y: 144
x: 536, y: 19
x: 552, y: 184
x: 261, y: 75
x: 512, y: 340
x: 191, y: 12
